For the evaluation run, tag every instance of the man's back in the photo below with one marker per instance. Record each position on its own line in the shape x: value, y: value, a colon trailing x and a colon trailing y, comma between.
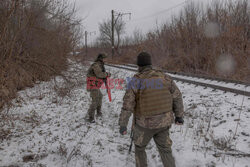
x: 154, y: 96
x: 154, y: 100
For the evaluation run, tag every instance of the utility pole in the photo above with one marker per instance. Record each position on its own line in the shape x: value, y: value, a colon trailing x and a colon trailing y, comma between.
x: 86, y: 40
x: 86, y: 43
x: 113, y: 22
x: 113, y: 33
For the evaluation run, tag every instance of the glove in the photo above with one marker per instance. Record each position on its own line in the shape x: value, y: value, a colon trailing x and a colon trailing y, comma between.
x: 108, y: 74
x: 179, y: 120
x: 123, y: 130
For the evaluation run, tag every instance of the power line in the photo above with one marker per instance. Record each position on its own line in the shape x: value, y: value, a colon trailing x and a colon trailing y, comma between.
x: 160, y: 12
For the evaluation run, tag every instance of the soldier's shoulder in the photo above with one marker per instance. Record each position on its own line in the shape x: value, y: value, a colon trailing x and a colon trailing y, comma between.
x: 158, y: 72
x: 91, y: 65
x: 95, y: 64
x: 168, y: 77
x: 164, y: 74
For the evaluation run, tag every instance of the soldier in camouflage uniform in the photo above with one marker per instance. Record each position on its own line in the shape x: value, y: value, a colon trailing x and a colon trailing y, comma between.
x: 154, y: 111
x: 96, y: 73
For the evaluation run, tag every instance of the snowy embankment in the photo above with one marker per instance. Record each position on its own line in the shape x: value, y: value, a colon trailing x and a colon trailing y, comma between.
x: 51, y: 131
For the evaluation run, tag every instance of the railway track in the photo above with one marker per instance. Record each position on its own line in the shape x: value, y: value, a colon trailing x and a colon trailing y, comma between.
x: 200, y: 76
x: 200, y: 80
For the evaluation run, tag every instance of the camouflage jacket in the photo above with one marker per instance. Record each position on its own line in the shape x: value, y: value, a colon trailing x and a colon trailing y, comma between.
x: 156, y: 121
x: 96, y: 72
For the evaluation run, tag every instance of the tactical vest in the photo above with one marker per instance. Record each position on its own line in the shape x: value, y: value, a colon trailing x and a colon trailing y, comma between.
x: 91, y: 72
x: 153, y: 101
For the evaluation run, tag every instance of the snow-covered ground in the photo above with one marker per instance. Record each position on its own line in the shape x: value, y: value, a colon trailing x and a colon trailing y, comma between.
x: 51, y: 131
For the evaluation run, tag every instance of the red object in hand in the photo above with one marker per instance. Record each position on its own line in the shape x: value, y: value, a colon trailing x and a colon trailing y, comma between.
x: 108, y: 90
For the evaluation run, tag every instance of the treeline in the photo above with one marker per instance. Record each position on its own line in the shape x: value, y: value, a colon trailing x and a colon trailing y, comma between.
x: 35, y: 39
x: 211, y: 40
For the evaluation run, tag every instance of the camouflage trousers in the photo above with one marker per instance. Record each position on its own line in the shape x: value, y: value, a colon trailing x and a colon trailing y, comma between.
x: 162, y: 140
x: 96, y: 103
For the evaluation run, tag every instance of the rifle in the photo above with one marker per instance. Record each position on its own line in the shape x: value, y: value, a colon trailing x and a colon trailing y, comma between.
x: 107, y: 88
x: 131, y: 136
x: 131, y: 143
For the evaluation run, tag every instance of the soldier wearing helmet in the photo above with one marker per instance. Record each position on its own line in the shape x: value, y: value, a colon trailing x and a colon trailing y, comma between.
x: 95, y: 74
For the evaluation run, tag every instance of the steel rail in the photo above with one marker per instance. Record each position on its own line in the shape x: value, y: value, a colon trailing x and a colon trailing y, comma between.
x: 201, y: 76
x: 225, y: 89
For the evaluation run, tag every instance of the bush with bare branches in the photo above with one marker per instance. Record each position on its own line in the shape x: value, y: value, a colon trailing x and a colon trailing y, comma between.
x: 35, y: 39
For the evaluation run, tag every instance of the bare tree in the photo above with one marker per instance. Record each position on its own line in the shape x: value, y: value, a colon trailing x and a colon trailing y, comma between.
x: 105, y: 37
x: 138, y: 37
x: 105, y: 29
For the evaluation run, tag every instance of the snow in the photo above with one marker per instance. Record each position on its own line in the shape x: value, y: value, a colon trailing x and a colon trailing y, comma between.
x: 53, y: 129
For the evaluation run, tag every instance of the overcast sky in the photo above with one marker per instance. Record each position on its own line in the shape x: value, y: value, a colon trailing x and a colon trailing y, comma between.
x: 145, y: 13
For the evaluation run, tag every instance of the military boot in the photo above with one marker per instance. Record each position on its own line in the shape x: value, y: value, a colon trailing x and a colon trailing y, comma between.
x: 99, y: 113
x: 91, y: 120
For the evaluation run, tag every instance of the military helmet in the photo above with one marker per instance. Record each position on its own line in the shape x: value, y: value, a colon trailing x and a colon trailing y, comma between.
x: 144, y: 59
x: 102, y: 56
